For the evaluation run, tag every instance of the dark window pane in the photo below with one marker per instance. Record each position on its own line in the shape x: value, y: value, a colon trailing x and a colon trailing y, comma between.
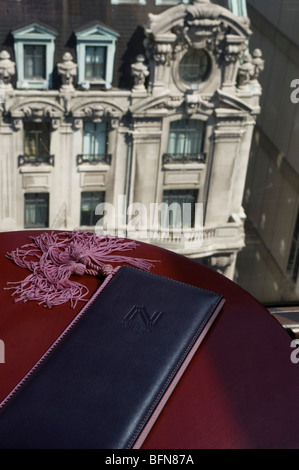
x: 34, y: 62
x: 89, y: 202
x: 186, y: 137
x: 95, y: 62
x: 36, y: 210
x: 194, y: 66
x: 37, y: 138
x: 180, y: 208
x: 95, y: 138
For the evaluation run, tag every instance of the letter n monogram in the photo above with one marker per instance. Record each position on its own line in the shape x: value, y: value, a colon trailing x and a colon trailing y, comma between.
x: 141, y: 312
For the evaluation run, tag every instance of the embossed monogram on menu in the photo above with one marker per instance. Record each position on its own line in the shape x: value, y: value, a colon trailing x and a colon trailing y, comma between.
x: 139, y: 319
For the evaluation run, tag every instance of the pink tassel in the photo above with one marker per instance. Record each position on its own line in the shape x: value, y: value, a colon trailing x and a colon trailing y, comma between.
x: 52, y: 258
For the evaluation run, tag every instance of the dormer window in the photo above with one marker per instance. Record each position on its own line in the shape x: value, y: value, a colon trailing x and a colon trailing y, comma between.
x: 34, y: 52
x: 95, y: 55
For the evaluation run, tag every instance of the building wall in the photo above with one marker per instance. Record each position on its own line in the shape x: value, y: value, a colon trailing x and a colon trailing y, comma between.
x: 271, y: 194
x: 67, y: 16
x: 139, y: 110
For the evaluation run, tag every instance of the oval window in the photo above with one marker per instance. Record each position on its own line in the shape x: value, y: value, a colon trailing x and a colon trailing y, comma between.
x: 195, y: 66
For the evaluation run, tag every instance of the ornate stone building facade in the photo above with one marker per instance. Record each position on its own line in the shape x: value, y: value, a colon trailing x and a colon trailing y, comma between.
x: 180, y: 134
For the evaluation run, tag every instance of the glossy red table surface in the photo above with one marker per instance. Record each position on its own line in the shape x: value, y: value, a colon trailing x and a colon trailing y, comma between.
x: 241, y: 390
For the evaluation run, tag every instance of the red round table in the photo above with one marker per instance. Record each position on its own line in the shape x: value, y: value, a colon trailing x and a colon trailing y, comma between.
x: 241, y: 389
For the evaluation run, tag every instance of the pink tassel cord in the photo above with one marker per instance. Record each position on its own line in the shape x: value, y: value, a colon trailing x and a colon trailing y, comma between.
x: 52, y: 258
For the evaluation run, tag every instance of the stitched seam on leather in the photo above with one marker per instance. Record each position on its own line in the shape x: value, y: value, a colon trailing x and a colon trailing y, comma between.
x: 149, y: 274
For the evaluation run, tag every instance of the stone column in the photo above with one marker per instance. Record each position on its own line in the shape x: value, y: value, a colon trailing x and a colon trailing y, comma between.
x: 64, y: 193
x: 145, y: 168
x: 160, y: 56
x: 8, y: 169
x: 227, y: 138
x: 235, y: 46
x: 241, y: 167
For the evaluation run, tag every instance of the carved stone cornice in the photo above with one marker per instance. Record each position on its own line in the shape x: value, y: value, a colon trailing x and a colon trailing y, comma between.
x: 96, y: 112
x: 158, y: 105
x: 37, y: 110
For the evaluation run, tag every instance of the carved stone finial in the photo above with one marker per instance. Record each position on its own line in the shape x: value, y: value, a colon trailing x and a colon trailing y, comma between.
x: 67, y: 69
x: 245, y: 72
x: 258, y: 63
x: 139, y: 72
x: 7, y: 69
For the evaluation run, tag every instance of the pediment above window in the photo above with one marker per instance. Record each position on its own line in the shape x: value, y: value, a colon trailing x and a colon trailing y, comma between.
x: 167, y: 104
x: 96, y: 31
x: 35, y: 31
x: 229, y: 101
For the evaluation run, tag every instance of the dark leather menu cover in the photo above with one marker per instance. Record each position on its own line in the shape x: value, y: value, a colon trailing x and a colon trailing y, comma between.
x: 109, y: 376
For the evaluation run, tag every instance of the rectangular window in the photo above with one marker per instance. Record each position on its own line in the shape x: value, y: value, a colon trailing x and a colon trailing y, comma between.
x: 293, y: 262
x: 95, y: 138
x: 34, y: 62
x: 95, y: 142
x: 37, y: 142
x: 95, y: 62
x: 89, y: 202
x: 186, y: 138
x: 179, y: 208
x: 36, y: 210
